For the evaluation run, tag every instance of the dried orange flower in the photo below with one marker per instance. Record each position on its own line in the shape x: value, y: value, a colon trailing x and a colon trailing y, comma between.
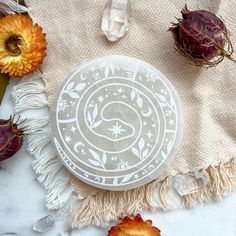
x: 22, y: 45
x: 134, y: 226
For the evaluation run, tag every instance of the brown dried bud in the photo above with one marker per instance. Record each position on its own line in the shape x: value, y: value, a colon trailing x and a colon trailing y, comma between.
x: 202, y: 37
x: 11, y: 138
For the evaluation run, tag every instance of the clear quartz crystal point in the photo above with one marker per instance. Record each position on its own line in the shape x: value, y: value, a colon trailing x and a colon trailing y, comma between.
x: 44, y: 224
x: 190, y: 183
x: 115, y: 19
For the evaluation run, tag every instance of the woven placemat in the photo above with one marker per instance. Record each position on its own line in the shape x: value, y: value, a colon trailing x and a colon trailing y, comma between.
x: 208, y: 98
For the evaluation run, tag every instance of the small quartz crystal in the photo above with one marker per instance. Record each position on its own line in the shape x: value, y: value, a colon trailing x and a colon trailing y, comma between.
x: 192, y: 182
x: 44, y: 224
x: 115, y: 19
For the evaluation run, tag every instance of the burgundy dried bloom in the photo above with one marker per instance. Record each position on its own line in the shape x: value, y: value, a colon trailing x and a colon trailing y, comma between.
x: 202, y: 37
x: 11, y: 138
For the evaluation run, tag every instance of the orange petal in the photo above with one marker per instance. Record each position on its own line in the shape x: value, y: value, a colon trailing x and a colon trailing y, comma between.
x: 32, y: 45
x: 134, y: 226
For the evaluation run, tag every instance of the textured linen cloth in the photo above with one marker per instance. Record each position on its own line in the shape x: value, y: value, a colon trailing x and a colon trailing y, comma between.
x: 208, y: 97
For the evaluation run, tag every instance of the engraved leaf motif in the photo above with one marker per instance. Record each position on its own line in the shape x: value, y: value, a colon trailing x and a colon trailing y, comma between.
x: 80, y: 86
x: 172, y: 103
x: 141, y: 144
x: 163, y: 154
x: 132, y: 95
x: 161, y: 97
x: 127, y: 178
x: 104, y: 158
x: 169, y: 146
x: 93, y: 162
x: 164, y: 101
x: 145, y: 153
x: 112, y: 68
x: 135, y: 151
x: 89, y: 117
x: 70, y: 86
x: 95, y: 155
x: 95, y: 111
x: 106, y: 71
x: 73, y: 94
x: 140, y: 102
x: 115, y: 181
x: 97, y: 123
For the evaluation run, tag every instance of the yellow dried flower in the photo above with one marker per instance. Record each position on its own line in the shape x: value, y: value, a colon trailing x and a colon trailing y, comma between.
x: 22, y: 45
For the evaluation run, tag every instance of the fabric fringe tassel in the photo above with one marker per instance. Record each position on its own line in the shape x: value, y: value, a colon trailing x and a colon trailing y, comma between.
x: 222, y: 183
x: 105, y: 207
x: 95, y: 206
x: 11, y: 7
x: 31, y: 106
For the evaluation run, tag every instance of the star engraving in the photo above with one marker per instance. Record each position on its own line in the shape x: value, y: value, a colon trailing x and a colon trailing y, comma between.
x: 73, y: 129
x: 100, y: 99
x: 68, y: 139
x: 116, y: 130
x: 149, y: 134
x: 120, y: 90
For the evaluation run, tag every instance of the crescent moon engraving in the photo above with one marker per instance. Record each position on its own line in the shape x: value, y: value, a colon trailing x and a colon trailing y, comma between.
x: 82, y: 77
x: 77, y: 145
x: 147, y: 114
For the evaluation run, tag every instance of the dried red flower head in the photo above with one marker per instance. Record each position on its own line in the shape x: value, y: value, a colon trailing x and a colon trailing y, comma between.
x: 202, y: 37
x: 134, y: 226
x: 11, y: 138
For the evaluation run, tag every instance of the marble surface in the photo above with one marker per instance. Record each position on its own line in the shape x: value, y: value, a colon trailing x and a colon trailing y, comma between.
x: 22, y: 203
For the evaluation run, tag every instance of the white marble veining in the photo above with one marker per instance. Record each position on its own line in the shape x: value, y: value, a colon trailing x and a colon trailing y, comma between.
x: 22, y: 203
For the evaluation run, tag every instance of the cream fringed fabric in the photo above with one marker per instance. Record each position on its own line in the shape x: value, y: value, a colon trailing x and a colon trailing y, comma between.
x: 208, y: 99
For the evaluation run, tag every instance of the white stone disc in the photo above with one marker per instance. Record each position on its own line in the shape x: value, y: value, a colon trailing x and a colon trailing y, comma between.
x: 116, y: 123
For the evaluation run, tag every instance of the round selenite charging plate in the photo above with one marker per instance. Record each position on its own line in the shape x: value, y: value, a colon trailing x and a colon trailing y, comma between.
x: 116, y: 123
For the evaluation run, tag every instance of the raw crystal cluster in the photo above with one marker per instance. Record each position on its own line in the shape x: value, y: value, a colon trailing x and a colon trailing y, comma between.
x: 192, y: 182
x: 115, y: 19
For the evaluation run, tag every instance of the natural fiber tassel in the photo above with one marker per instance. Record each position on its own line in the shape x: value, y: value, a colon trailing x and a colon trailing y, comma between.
x: 12, y: 7
x: 29, y: 94
x: 94, y: 206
